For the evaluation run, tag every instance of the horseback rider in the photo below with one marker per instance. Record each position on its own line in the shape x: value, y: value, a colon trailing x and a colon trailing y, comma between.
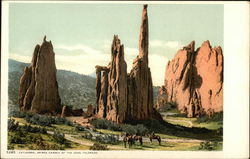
x: 153, y: 133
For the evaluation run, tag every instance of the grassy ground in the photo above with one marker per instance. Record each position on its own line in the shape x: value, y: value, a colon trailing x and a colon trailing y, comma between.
x: 170, y: 141
x: 183, y: 121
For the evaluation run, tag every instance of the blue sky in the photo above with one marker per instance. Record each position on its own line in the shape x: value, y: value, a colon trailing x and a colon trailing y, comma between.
x: 82, y: 33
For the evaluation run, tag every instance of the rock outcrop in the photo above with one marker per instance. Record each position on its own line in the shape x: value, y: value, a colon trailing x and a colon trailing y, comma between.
x: 194, y: 80
x: 90, y: 112
x: 124, y: 97
x: 68, y: 111
x: 38, y: 90
x: 161, y: 98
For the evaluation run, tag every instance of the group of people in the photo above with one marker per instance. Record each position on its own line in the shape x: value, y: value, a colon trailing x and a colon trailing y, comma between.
x: 131, y: 138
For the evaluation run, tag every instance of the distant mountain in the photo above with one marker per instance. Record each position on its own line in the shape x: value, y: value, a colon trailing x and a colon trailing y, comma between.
x: 75, y: 89
x: 93, y: 74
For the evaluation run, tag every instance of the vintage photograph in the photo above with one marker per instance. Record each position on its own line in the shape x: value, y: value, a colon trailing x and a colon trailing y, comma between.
x: 115, y: 77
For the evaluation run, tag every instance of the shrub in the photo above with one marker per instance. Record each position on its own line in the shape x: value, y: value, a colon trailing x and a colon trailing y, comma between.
x: 12, y: 126
x: 208, y: 145
x: 129, y: 129
x: 79, y: 128
x: 97, y: 146
x: 168, y: 107
x: 18, y: 114
x: 59, y: 137
x: 132, y: 129
x: 32, y: 129
x: 17, y: 138
x: 87, y: 135
x: 141, y: 130
x: 115, y: 127
x: 154, y: 125
x: 217, y: 117
x: 101, y: 123
x: 108, y: 139
x: 45, y: 120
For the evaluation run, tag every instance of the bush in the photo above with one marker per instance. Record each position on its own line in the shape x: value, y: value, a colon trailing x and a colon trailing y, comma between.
x: 12, y: 126
x: 154, y: 125
x: 45, y: 120
x: 79, y: 128
x: 168, y: 107
x: 141, y: 130
x: 87, y: 135
x: 59, y: 137
x: 208, y: 145
x: 32, y: 129
x: 101, y: 123
x: 18, y: 114
x: 132, y: 129
x: 97, y: 146
x: 108, y: 139
x: 217, y: 117
x: 129, y: 129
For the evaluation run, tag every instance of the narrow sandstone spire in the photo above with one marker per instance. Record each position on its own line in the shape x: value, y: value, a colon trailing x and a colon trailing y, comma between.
x: 143, y: 39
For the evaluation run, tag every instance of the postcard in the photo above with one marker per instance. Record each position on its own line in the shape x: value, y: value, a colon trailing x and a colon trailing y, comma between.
x: 123, y: 80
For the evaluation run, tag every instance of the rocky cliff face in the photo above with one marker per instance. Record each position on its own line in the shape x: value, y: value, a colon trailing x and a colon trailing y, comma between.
x: 194, y: 80
x: 38, y: 90
x: 121, y: 96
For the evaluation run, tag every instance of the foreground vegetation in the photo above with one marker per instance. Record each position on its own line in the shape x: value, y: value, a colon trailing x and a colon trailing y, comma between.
x: 40, y: 132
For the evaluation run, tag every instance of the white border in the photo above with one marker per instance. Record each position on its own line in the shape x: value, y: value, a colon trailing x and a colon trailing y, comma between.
x: 236, y: 89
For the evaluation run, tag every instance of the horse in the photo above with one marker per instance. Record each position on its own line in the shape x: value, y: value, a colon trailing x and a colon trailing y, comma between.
x: 127, y: 138
x: 138, y: 138
x: 153, y: 136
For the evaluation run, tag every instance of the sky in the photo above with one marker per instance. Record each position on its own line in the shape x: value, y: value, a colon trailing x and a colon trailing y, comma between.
x: 82, y: 33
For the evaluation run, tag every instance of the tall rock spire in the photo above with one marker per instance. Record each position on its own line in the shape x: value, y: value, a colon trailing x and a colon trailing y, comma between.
x: 38, y: 90
x: 129, y: 96
x: 143, y: 39
x: 140, y: 85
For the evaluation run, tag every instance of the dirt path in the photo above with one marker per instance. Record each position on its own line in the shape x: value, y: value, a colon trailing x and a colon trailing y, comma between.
x: 81, y: 142
x: 190, y: 124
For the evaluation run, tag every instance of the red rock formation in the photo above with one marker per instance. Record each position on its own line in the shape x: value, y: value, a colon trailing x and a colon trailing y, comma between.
x: 38, y: 90
x: 90, y: 111
x: 117, y: 87
x: 102, y: 90
x: 68, y: 111
x: 161, y: 98
x: 112, y: 88
x: 140, y: 86
x: 129, y: 97
x: 194, y: 79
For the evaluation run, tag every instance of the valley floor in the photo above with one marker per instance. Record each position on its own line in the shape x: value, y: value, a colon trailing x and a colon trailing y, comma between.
x: 76, y: 139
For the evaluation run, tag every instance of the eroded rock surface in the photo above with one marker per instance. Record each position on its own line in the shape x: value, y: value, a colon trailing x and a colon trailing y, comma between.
x: 194, y: 80
x: 38, y: 90
x: 125, y: 97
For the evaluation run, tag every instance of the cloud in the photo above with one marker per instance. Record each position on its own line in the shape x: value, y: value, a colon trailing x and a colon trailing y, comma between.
x: 20, y: 57
x: 157, y: 64
x: 165, y: 44
x: 83, y: 59
x: 79, y: 47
